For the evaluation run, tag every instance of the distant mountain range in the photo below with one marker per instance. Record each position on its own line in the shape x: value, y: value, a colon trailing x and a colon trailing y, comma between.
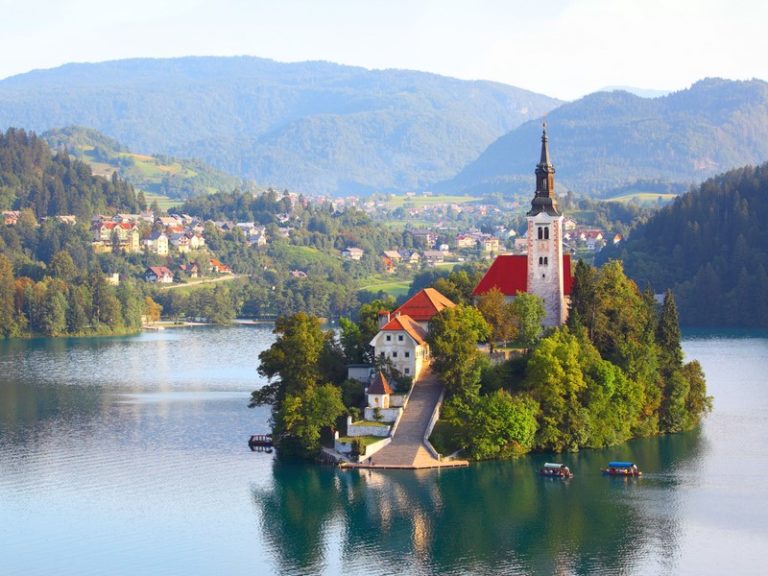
x: 313, y: 126
x: 615, y: 140
x: 318, y: 127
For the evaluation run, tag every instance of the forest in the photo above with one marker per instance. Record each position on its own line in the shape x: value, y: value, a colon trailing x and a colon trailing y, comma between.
x: 710, y: 247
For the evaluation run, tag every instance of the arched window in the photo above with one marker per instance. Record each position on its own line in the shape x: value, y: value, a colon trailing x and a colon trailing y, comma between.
x: 541, y: 233
x: 546, y: 233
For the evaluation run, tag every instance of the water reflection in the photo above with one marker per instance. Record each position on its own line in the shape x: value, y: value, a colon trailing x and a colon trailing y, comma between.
x: 497, y: 517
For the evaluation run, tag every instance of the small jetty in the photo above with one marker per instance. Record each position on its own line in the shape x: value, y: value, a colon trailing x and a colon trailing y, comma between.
x: 260, y: 443
x: 555, y: 470
x: 624, y: 469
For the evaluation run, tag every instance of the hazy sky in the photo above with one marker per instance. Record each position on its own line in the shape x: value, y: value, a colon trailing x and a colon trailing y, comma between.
x: 562, y: 48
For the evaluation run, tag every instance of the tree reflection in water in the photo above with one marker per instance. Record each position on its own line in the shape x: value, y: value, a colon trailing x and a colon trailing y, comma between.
x: 497, y: 517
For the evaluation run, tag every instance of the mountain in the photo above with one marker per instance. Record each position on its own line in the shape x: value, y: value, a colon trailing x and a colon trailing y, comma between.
x: 711, y: 248
x: 611, y: 140
x: 311, y: 126
x: 156, y: 174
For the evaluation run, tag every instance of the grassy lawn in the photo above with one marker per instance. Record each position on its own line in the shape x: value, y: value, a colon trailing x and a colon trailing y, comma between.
x: 163, y: 201
x: 394, y: 288
x: 643, y: 197
x: 364, y: 440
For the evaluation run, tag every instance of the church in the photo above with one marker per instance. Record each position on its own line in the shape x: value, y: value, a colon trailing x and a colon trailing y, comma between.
x: 544, y: 271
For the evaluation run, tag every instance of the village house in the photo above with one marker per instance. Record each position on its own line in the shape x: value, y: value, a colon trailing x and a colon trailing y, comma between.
x: 218, y: 267
x: 11, y: 217
x: 401, y: 339
x: 156, y: 243
x: 108, y: 234
x: 158, y: 274
x: 353, y: 253
x: 180, y: 242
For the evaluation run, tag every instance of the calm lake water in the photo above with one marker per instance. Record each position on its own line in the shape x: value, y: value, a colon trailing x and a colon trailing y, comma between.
x: 128, y: 456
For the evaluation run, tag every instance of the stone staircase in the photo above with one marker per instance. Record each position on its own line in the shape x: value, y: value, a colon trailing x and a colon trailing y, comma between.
x: 407, y: 449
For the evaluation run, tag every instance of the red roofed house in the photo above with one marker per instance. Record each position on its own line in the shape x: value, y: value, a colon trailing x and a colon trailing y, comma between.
x: 159, y: 274
x: 545, y: 270
x: 402, y: 337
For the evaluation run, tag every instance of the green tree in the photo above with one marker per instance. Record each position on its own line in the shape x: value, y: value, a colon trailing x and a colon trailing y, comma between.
x: 499, y: 314
x: 8, y: 321
x: 62, y: 266
x: 529, y: 313
x: 453, y: 337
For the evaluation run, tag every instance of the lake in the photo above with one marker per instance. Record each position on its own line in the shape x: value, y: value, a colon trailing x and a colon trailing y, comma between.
x: 128, y: 456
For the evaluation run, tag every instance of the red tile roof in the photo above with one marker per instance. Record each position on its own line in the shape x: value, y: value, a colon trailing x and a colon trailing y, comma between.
x: 379, y: 385
x: 407, y: 324
x: 509, y: 273
x: 424, y: 304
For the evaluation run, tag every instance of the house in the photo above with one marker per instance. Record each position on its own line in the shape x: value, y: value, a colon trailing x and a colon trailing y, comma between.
x: 156, y: 243
x: 11, y: 217
x: 123, y: 234
x: 219, y: 268
x: 465, y: 241
x: 544, y: 270
x: 180, y: 242
x: 192, y: 269
x: 379, y: 391
x: 353, y: 253
x: 393, y: 255
x: 196, y: 241
x: 401, y: 340
x: 158, y: 274
x: 389, y: 265
x: 434, y: 256
x: 490, y: 244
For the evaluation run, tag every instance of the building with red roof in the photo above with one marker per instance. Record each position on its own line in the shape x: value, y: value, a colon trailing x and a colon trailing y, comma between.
x: 402, y: 337
x: 544, y: 270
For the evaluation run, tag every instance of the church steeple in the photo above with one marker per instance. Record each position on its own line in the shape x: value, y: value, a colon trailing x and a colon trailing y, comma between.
x: 544, y: 200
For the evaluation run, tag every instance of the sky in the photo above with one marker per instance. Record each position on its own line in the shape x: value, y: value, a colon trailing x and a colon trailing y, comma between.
x: 561, y: 48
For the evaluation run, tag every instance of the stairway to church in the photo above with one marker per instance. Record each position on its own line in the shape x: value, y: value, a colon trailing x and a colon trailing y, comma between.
x: 407, y: 449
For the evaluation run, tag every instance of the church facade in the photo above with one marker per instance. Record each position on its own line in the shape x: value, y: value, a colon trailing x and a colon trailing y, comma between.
x: 545, y: 270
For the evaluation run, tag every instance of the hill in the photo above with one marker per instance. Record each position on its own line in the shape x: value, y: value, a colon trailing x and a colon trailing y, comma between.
x: 311, y: 126
x: 711, y: 248
x: 157, y: 174
x: 612, y: 140
x: 31, y: 176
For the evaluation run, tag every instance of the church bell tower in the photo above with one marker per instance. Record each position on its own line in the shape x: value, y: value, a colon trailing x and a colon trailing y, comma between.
x: 545, y: 241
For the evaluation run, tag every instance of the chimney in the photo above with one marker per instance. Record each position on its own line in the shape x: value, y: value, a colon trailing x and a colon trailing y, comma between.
x: 383, y: 318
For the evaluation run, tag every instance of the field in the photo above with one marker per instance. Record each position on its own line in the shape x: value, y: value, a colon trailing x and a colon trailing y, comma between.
x: 395, y: 288
x: 397, y: 200
x: 644, y: 198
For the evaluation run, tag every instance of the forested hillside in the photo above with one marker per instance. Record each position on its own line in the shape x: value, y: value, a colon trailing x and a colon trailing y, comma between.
x: 711, y: 247
x: 53, y: 184
x: 615, y: 140
x: 312, y: 126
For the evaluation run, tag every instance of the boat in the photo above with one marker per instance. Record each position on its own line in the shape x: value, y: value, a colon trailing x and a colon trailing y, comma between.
x: 555, y: 470
x: 260, y: 442
x: 621, y: 469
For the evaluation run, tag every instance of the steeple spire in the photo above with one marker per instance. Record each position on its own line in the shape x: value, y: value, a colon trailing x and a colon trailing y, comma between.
x: 544, y: 200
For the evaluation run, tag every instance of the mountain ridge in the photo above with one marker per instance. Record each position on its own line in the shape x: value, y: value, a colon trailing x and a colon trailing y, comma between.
x: 608, y: 140
x: 363, y: 130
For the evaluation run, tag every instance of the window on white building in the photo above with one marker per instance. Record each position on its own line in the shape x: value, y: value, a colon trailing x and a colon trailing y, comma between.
x: 407, y: 354
x: 399, y: 337
x: 389, y: 338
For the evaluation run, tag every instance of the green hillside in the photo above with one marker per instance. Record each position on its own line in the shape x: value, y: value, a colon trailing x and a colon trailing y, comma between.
x: 156, y: 175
